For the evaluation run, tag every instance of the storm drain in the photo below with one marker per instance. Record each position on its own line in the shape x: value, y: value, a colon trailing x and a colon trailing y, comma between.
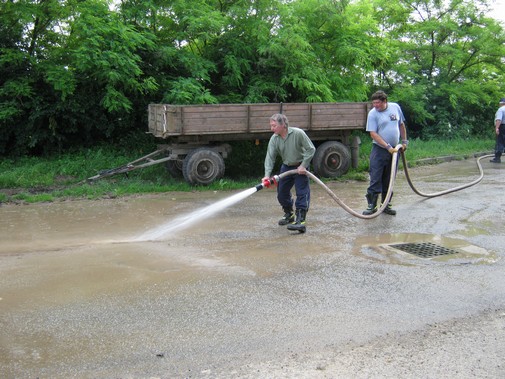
x: 424, y: 249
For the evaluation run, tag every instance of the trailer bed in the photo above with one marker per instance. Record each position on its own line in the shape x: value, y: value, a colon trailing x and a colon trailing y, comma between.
x: 213, y: 122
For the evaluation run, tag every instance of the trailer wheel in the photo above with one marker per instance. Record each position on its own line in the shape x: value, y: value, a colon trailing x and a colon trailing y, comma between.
x: 174, y: 168
x: 203, y: 166
x: 331, y: 160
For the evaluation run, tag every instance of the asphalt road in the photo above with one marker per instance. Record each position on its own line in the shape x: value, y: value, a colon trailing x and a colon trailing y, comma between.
x: 233, y: 295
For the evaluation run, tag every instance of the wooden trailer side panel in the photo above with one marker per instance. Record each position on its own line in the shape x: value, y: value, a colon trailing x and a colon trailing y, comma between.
x: 167, y: 120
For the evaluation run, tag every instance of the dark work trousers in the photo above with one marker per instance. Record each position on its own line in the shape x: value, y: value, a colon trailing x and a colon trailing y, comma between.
x: 500, y: 141
x: 380, y: 170
x: 302, y: 189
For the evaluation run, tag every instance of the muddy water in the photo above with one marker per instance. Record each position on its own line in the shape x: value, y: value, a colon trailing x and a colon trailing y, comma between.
x: 77, y: 299
x: 88, y: 246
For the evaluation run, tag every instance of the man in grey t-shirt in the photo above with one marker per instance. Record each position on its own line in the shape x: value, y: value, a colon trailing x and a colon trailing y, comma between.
x: 386, y: 125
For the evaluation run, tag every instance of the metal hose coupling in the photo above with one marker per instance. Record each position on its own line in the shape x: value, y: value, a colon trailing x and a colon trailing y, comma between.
x: 267, y: 182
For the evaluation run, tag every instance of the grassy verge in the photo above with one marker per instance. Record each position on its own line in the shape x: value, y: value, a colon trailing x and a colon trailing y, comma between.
x: 63, y: 177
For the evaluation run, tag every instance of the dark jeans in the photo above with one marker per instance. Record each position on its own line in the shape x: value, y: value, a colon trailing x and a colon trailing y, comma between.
x: 302, y: 189
x: 500, y: 140
x: 380, y: 170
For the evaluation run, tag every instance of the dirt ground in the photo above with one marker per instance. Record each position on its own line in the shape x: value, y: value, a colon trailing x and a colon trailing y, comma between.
x: 233, y: 295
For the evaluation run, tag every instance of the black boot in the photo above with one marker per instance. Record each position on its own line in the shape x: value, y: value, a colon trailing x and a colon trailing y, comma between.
x: 372, y: 203
x: 289, y: 216
x: 497, y: 157
x: 299, y: 224
x: 388, y: 210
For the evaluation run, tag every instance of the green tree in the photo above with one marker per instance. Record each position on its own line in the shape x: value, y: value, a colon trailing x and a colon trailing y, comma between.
x: 183, y: 31
x: 445, y: 63
x: 70, y: 69
x: 341, y: 50
x: 76, y: 73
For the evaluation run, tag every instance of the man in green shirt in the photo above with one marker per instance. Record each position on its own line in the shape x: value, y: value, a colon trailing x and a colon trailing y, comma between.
x: 296, y: 151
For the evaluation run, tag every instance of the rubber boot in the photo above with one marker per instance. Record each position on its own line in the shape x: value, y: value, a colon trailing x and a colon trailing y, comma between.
x: 299, y: 224
x: 289, y: 216
x: 388, y: 210
x: 372, y: 203
x: 497, y: 157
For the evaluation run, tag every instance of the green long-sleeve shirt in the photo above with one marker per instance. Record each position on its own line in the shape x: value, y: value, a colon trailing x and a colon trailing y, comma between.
x: 295, y: 148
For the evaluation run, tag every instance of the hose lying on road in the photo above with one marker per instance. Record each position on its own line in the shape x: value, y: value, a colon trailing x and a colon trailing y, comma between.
x: 394, y: 169
x: 450, y: 190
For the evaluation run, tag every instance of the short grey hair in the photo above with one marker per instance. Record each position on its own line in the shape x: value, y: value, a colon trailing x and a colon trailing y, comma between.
x: 281, y: 119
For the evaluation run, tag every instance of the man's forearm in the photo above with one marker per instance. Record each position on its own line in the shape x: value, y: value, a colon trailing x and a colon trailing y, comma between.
x: 403, y: 132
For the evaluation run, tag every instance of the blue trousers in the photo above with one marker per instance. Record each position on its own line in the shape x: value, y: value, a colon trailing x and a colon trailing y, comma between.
x: 380, y: 170
x: 500, y: 141
x: 302, y: 189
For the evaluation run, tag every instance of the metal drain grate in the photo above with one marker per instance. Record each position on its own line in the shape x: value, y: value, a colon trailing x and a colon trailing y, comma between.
x: 424, y: 249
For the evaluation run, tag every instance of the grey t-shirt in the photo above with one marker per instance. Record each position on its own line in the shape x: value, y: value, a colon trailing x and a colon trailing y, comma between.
x: 500, y: 114
x: 386, y: 123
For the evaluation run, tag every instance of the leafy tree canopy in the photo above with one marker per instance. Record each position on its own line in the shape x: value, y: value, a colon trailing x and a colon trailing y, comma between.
x: 76, y: 73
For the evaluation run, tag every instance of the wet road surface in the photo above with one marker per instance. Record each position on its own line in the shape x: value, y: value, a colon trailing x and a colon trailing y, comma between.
x: 235, y: 295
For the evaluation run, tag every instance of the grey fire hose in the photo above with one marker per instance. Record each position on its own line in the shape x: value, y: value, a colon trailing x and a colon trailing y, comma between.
x: 394, y: 169
x: 459, y: 188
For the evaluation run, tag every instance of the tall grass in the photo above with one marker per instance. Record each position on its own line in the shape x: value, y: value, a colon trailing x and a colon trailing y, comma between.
x: 32, y: 179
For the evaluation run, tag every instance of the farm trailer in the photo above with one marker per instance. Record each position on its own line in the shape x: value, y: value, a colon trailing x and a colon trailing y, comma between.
x: 197, y: 136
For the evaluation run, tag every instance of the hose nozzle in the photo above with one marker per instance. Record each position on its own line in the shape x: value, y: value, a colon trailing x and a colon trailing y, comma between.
x: 270, y: 181
x: 267, y: 182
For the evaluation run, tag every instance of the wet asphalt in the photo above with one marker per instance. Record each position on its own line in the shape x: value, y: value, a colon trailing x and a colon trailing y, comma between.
x: 235, y: 295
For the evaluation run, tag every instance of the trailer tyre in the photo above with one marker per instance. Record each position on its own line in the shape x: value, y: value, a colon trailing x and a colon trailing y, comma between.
x: 203, y: 166
x: 174, y: 168
x: 331, y: 160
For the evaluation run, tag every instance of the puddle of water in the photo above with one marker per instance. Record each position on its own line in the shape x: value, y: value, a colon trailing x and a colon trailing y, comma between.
x: 78, y: 274
x: 474, y: 231
x: 379, y: 248
x: 186, y: 221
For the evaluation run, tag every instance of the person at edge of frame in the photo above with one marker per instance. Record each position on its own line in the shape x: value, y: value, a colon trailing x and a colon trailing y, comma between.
x: 499, y: 125
x: 296, y: 151
x: 386, y: 125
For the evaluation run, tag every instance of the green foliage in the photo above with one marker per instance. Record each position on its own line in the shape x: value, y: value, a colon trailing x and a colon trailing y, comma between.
x: 69, y: 75
x: 445, y: 57
x: 246, y: 160
x: 76, y: 74
x: 187, y: 91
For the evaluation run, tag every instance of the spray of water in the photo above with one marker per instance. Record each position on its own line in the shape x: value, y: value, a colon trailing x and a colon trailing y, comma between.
x: 188, y: 220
